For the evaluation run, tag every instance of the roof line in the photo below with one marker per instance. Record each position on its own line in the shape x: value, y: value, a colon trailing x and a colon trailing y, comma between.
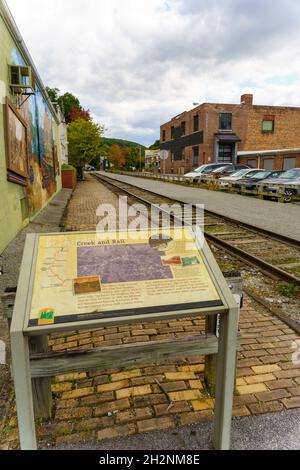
x: 242, y: 153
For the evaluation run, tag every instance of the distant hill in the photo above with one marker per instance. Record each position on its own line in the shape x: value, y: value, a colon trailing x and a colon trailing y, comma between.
x: 108, y: 142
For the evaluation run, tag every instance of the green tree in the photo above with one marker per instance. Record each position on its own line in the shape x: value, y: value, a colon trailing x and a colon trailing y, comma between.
x: 155, y: 146
x: 84, y: 143
x: 67, y: 102
x: 132, y: 158
x: 53, y: 94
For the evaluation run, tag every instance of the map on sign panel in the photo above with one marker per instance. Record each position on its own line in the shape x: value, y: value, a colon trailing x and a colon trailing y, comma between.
x: 82, y: 276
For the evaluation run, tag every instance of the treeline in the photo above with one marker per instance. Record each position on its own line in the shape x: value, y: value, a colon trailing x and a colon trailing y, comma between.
x: 86, y: 141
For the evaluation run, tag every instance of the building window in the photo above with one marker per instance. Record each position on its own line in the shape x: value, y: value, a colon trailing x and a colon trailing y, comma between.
x: 195, y: 156
x: 164, y: 135
x: 252, y: 163
x: 179, y: 154
x: 268, y: 125
x: 225, y: 153
x: 196, y: 122
x: 172, y: 132
x: 289, y: 163
x: 225, y: 121
x: 268, y: 163
x: 183, y: 128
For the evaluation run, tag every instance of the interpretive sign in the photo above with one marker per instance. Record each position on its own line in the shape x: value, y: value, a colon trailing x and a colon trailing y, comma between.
x: 82, y: 281
x: 82, y: 276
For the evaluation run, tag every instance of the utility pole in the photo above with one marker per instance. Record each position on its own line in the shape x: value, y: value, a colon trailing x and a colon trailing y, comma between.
x: 140, y: 148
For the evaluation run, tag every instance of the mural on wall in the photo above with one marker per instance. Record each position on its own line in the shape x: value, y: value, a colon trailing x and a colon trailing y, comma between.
x: 41, y: 183
x: 17, y: 154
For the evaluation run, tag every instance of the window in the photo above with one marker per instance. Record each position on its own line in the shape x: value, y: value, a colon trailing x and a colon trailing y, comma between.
x: 252, y: 163
x: 172, y: 132
x: 183, y: 128
x: 268, y: 125
x: 196, y: 122
x: 225, y: 121
x: 268, y: 163
x: 225, y: 153
x: 195, y: 155
x: 164, y: 135
x: 289, y: 163
x: 179, y: 154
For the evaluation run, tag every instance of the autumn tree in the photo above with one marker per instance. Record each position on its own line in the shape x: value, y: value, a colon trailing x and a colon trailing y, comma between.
x: 84, y: 139
x: 117, y: 155
x: 67, y: 103
x: 76, y: 113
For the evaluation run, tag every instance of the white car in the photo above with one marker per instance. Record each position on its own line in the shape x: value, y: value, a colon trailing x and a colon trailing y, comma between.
x: 203, y: 170
x: 244, y: 173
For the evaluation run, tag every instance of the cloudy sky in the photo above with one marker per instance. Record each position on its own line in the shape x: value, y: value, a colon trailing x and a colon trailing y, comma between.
x: 136, y: 63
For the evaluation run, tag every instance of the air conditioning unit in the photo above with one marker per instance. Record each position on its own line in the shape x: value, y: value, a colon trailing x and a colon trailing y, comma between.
x: 21, y: 79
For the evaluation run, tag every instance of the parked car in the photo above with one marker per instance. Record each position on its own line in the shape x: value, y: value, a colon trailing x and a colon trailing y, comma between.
x: 89, y: 168
x: 227, y: 180
x: 203, y: 170
x: 227, y: 170
x: 252, y: 178
x: 288, y: 178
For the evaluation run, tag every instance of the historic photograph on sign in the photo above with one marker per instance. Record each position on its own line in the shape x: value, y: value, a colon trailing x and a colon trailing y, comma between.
x: 16, y: 136
x: 86, y: 285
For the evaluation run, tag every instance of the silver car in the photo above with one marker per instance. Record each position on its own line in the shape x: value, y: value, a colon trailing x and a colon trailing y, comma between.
x: 290, y: 179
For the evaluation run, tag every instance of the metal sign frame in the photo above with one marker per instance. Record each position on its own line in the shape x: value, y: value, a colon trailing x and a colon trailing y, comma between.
x: 24, y: 369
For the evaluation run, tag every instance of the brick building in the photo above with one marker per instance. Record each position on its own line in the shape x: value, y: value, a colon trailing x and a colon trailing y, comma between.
x: 260, y: 136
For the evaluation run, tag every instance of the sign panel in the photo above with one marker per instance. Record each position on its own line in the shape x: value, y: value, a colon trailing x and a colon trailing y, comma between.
x: 86, y: 276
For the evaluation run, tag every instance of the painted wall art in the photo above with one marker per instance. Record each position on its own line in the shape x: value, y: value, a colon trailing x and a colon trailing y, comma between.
x: 34, y: 162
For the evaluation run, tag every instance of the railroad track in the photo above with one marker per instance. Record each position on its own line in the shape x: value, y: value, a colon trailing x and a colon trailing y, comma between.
x: 276, y: 256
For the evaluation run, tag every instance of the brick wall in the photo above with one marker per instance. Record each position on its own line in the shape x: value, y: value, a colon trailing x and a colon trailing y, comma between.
x: 246, y: 124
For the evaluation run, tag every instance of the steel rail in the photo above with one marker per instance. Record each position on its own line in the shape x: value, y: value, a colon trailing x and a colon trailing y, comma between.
x: 252, y: 260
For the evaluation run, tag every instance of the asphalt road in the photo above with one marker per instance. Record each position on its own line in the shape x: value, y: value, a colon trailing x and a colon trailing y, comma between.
x: 280, y: 218
x: 273, y: 431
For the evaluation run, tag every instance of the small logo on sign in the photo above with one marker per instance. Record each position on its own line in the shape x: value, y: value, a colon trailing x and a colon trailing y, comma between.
x: 46, y: 316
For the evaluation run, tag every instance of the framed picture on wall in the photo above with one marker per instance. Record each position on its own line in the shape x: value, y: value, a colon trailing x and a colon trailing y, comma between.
x: 17, y: 146
x: 55, y: 159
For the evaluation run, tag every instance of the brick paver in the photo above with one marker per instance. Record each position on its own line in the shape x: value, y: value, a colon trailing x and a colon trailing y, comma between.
x: 102, y: 405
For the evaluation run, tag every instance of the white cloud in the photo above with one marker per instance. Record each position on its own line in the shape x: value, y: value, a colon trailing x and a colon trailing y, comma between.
x: 137, y: 63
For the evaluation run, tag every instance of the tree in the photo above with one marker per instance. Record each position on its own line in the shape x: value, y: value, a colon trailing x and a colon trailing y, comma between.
x: 67, y: 102
x: 84, y: 143
x: 133, y: 158
x: 117, y: 155
x: 53, y: 94
x: 76, y: 113
x: 155, y: 146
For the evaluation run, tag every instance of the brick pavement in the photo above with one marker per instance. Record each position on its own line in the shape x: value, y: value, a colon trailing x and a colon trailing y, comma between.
x: 98, y: 406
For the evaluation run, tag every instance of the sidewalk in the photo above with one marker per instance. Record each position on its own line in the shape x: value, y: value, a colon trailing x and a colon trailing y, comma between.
x: 48, y: 220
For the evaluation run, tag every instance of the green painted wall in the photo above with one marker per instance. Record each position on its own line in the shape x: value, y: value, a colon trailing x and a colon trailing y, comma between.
x: 11, y: 195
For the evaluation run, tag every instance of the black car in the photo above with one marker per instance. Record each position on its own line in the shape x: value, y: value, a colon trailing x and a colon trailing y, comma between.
x: 250, y: 183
